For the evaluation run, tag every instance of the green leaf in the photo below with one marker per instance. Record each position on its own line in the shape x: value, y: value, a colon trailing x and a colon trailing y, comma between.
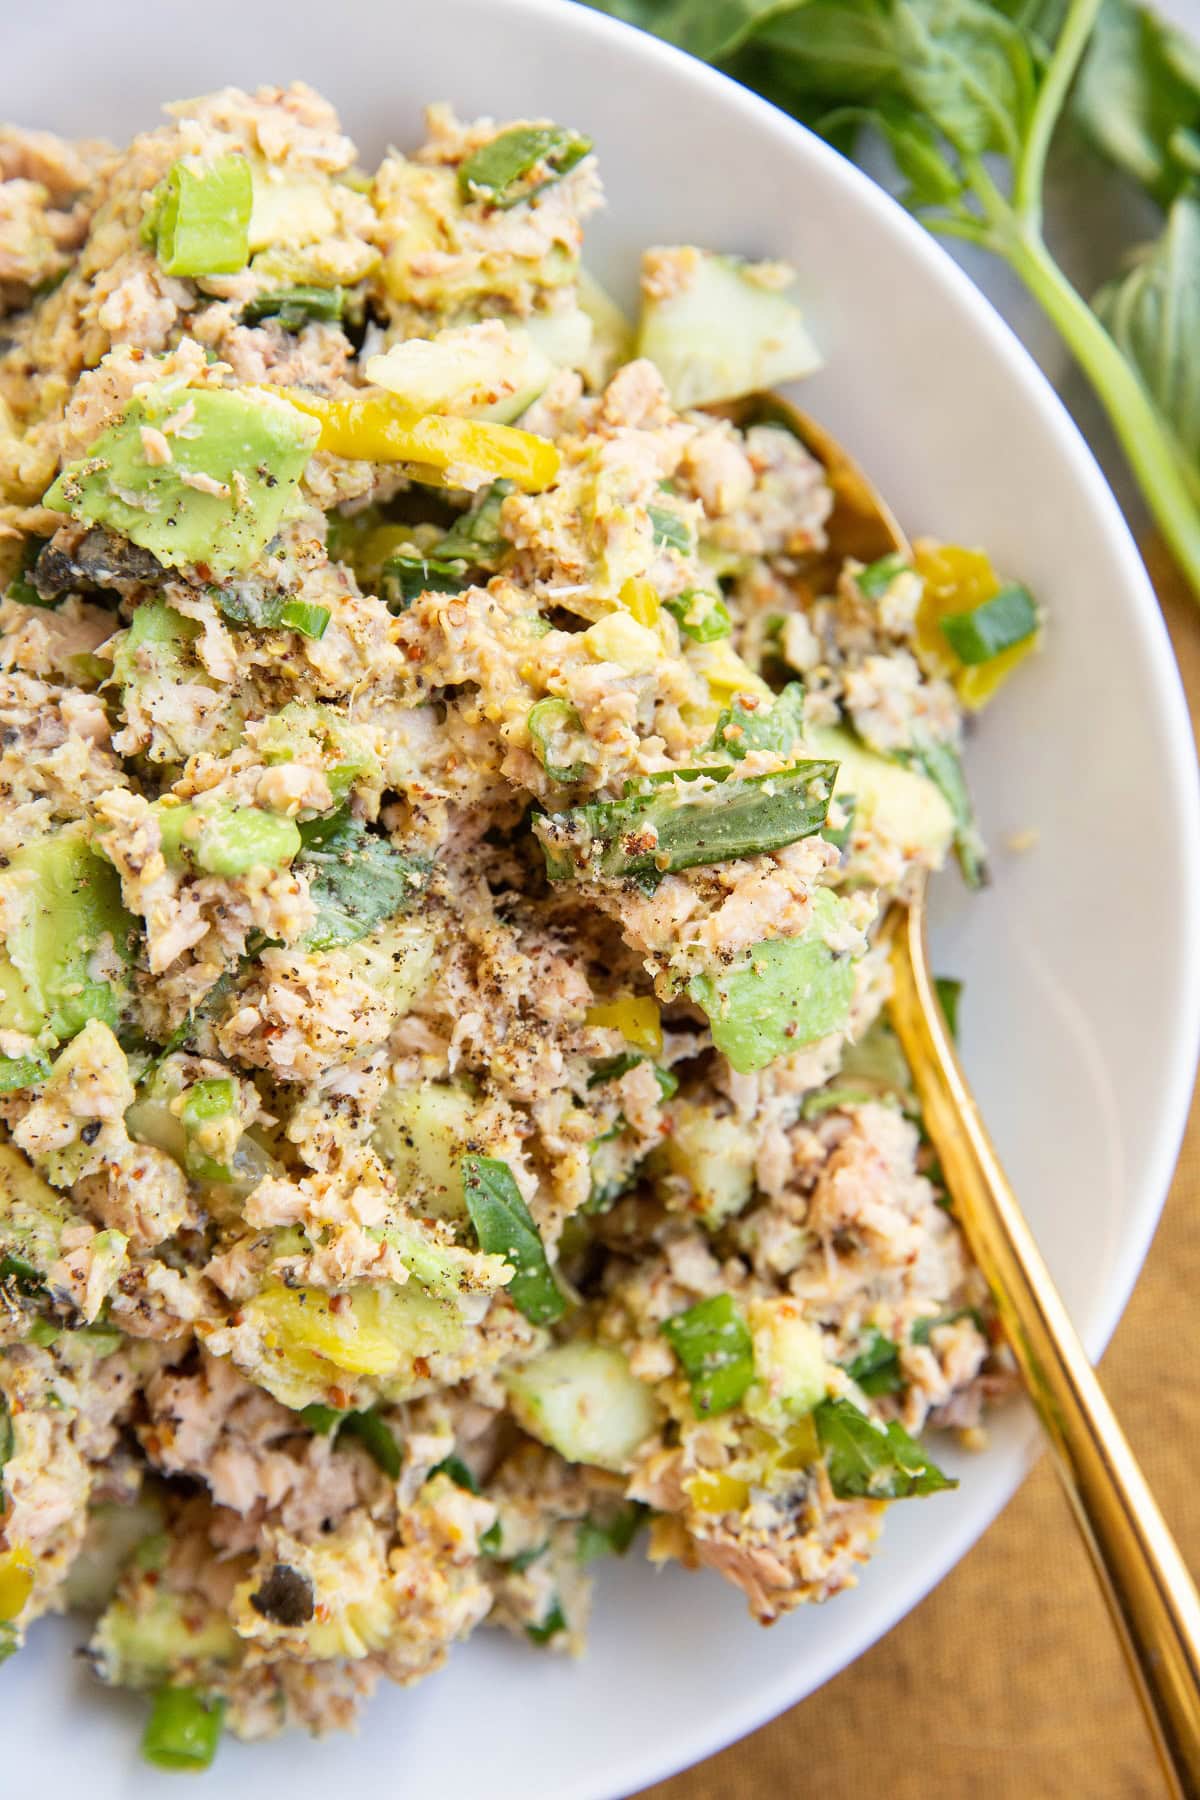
x: 671, y: 532
x: 406, y: 575
x: 475, y: 536
x: 875, y: 580
x: 713, y: 1343
x: 296, y: 307
x: 357, y: 879
x: 457, y: 1470
x: 778, y: 728
x: 1153, y: 313
x: 321, y: 1419
x: 376, y: 1437
x: 873, y: 1461
x: 1138, y: 89
x: 615, y: 1066
x: 551, y: 1625
x: 942, y: 764
x: 924, y: 1328
x: 949, y: 993
x: 876, y: 1368
x: 243, y: 604
x: 504, y: 1226
x: 709, y: 29
x: 609, y: 1537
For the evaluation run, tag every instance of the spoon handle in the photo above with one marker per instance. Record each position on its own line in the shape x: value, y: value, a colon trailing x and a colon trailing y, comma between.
x: 1151, y: 1595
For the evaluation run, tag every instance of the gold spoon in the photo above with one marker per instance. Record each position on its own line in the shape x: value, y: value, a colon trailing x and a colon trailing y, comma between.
x: 1150, y: 1594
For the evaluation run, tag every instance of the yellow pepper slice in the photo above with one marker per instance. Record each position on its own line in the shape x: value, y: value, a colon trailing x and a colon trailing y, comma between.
x: 958, y: 580
x: 712, y: 1491
x: 635, y: 1016
x: 353, y: 1337
x: 377, y: 427
x: 640, y: 600
x: 16, y: 1579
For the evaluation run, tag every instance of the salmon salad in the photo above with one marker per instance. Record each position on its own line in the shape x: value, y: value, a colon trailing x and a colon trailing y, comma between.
x: 457, y: 749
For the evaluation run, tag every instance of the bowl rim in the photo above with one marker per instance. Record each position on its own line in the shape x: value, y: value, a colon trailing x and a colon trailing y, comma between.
x: 682, y: 1748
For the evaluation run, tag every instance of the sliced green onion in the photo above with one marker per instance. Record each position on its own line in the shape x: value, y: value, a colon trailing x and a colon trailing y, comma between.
x: 202, y: 218
x: 550, y: 720
x: 996, y: 625
x: 875, y: 580
x: 701, y: 616
x: 519, y: 163
x: 713, y: 1342
x: 504, y: 1227
x: 749, y: 725
x: 242, y: 605
x: 310, y: 621
x: 21, y: 1072
x: 942, y: 764
x: 295, y: 307
x: 183, y: 1729
x: 610, y: 1537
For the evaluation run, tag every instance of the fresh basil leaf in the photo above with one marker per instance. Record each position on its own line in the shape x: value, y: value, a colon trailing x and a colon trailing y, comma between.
x: 357, y: 879
x: 1138, y: 88
x: 457, y: 1470
x: 876, y: 1368
x: 709, y: 29
x: 376, y: 1438
x: 942, y: 764
x: 924, y: 1328
x: 1153, y: 313
x: 949, y: 993
x: 713, y: 1343
x: 551, y: 1625
x: 406, y: 575
x: 872, y: 1461
x: 671, y: 532
x: 504, y: 1226
x: 321, y: 1419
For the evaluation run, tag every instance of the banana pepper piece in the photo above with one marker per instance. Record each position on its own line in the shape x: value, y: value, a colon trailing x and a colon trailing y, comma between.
x: 444, y: 451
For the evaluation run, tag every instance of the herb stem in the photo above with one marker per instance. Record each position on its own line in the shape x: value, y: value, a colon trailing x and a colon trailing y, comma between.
x: 1052, y: 92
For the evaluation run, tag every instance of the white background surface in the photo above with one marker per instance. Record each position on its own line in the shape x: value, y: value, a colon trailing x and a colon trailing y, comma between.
x: 1081, y: 971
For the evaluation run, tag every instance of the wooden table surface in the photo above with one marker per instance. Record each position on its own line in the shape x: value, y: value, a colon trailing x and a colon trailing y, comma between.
x: 1007, y: 1684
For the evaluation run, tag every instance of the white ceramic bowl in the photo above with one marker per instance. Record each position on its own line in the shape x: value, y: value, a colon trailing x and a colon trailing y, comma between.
x: 1080, y: 962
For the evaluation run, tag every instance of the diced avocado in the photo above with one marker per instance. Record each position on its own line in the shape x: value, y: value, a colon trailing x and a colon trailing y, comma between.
x: 309, y: 731
x: 93, y: 1062
x: 792, y: 1375
x: 899, y: 803
x: 398, y: 959
x: 114, y: 1532
x: 235, y: 462
x: 32, y: 1220
x: 218, y: 838
x: 290, y: 209
x: 422, y: 1134
x: 585, y: 1402
x: 716, y: 1156
x: 66, y: 908
x: 721, y: 332
x: 486, y: 371
x: 381, y: 1335
x: 149, y: 1633
x: 787, y: 993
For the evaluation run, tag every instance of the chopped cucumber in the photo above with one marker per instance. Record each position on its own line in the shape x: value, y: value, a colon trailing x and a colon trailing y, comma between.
x: 721, y: 332
x: 423, y: 1133
x: 716, y: 1156
x: 789, y: 1363
x: 584, y: 1401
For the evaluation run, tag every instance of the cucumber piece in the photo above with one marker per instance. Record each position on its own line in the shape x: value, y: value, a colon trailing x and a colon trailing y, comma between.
x: 789, y: 1363
x: 584, y: 1401
x: 898, y: 803
x: 720, y: 332
x: 716, y: 1156
x: 485, y: 371
x: 32, y: 1219
x: 149, y: 1633
x: 612, y: 334
x: 423, y: 1133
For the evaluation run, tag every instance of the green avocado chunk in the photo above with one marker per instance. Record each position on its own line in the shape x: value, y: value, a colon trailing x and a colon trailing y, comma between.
x: 788, y: 993
x: 222, y: 839
x: 235, y: 459
x: 71, y: 900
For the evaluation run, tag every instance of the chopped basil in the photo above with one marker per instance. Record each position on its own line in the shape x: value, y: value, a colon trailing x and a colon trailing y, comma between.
x: 876, y: 1368
x: 609, y: 1537
x: 671, y: 532
x: 949, y: 993
x: 504, y: 1227
x: 458, y: 1472
x: 992, y: 627
x: 376, y: 1437
x: 407, y: 574
x: 615, y: 1066
x: 872, y: 1461
x: 520, y: 162
x: 713, y: 1343
x: 551, y: 1625
x: 923, y: 1329
x: 357, y: 879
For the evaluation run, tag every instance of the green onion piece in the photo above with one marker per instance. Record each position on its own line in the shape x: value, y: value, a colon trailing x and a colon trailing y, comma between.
x: 549, y: 721
x: 701, y: 616
x: 21, y: 1072
x: 376, y: 1437
x: 202, y: 219
x: 504, y: 1226
x: 550, y: 1626
x: 748, y: 725
x: 840, y: 837
x: 944, y: 768
x: 457, y: 1470
x: 699, y: 818
x: 923, y: 1329
x: 310, y: 621
x: 519, y: 163
x: 476, y: 535
x: 949, y: 993
x: 321, y: 1419
x: 670, y: 531
x: 183, y: 1729
x: 875, y: 580
x: 713, y: 1342
x: 296, y: 307
x: 876, y: 1368
x: 407, y: 574
x: 993, y: 627
x: 873, y: 1461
